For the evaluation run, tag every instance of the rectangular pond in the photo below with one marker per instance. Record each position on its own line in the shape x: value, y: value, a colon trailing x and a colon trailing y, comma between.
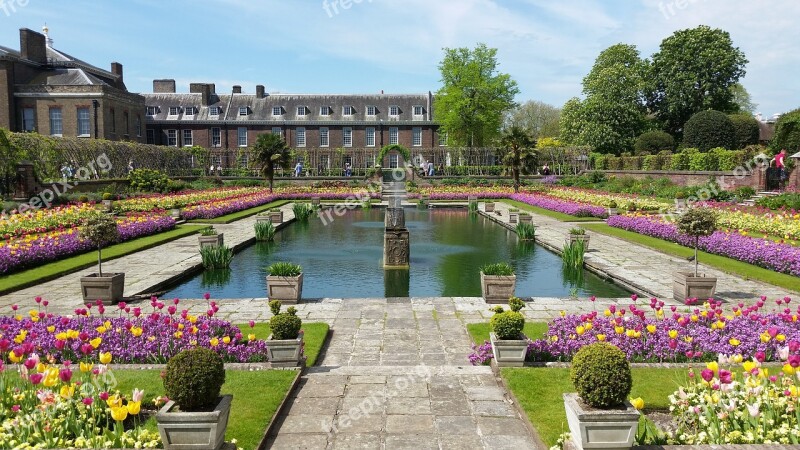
x: 343, y: 259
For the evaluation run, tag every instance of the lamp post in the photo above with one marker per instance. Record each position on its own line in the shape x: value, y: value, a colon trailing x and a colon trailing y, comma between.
x: 96, y: 104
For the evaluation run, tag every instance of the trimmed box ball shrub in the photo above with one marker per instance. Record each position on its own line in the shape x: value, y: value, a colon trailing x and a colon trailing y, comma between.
x: 193, y: 378
x: 601, y: 374
x: 284, y: 325
x: 653, y: 142
x: 709, y: 129
x: 508, y: 324
x: 746, y: 128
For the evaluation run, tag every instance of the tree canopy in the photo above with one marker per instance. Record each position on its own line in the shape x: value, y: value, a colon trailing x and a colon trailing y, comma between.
x: 517, y: 152
x: 474, y: 97
x: 270, y: 152
x: 538, y: 119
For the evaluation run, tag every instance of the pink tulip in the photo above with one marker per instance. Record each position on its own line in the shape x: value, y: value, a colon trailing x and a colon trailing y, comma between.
x: 707, y: 374
x: 36, y: 378
x: 65, y: 375
x: 88, y: 401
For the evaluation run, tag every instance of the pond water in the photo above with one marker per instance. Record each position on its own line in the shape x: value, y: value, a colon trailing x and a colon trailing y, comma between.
x: 343, y: 259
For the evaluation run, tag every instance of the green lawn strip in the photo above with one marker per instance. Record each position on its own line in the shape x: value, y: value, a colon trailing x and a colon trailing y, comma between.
x: 256, y: 397
x: 314, y: 337
x: 233, y: 217
x: 50, y: 271
x: 727, y: 265
x: 539, y: 391
x: 480, y: 331
x: 546, y: 212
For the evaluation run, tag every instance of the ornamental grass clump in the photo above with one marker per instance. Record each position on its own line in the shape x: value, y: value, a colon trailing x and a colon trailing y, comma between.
x: 209, y: 231
x: 302, y: 211
x: 284, y: 325
x: 508, y: 324
x: 101, y: 231
x: 526, y: 231
x: 498, y: 269
x: 194, y: 378
x: 216, y: 257
x: 284, y: 269
x: 265, y: 231
x: 573, y: 254
x: 577, y: 231
x: 697, y: 223
x: 602, y: 376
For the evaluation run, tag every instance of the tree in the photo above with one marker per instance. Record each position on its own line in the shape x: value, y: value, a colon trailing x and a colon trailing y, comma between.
x: 517, y: 152
x: 709, y: 129
x: 653, y: 142
x: 538, y: 119
x: 8, y: 162
x: 474, y: 96
x: 269, y: 152
x: 694, y: 70
x: 742, y: 99
x: 613, y: 113
x: 747, y: 130
x: 787, y: 132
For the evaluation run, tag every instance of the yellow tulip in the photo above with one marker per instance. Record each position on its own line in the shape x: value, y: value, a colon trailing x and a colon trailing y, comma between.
x: 749, y: 366
x: 51, y: 329
x: 251, y: 337
x: 607, y: 313
x: 780, y: 337
x: 673, y: 334
x: 114, y: 401
x: 226, y: 340
x: 619, y: 330
x: 86, y: 367
x: 133, y: 408
x: 765, y: 337
x: 651, y: 329
x: 119, y: 413
x: 105, y: 357
x: 96, y: 342
x: 637, y: 403
x: 601, y: 337
x: 67, y: 391
x: 788, y: 369
x: 712, y: 366
x: 580, y: 330
x: 734, y: 342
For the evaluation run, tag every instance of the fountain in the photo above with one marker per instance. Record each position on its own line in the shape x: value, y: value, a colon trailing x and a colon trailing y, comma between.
x: 396, y: 244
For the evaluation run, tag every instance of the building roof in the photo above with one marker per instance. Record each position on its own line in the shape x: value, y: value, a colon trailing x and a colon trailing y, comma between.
x: 766, y: 131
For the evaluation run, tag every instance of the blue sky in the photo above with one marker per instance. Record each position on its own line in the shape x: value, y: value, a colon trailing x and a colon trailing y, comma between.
x: 302, y: 46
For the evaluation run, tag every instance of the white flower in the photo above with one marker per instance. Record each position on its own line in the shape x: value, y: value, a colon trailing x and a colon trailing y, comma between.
x: 783, y: 353
x: 754, y: 409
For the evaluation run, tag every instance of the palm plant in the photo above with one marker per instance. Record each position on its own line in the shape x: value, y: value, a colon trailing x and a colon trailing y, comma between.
x: 517, y: 153
x: 269, y: 152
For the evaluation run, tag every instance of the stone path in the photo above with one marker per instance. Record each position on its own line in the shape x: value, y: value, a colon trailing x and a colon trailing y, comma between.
x: 395, y: 376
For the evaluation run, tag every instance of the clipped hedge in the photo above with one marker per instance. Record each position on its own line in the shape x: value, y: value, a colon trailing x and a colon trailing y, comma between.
x: 709, y: 129
x: 688, y: 159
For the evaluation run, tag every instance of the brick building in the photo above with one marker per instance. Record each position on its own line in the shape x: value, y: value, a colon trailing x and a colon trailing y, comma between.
x: 326, y: 131
x: 47, y: 91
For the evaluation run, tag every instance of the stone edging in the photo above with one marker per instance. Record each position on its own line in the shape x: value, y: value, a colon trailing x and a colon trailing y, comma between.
x: 263, y: 444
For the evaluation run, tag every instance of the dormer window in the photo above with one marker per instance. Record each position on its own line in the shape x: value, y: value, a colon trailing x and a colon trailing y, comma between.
x: 244, y: 110
x: 348, y: 111
x: 190, y: 111
x: 301, y: 110
x: 277, y: 111
x: 324, y: 110
x: 151, y: 110
x: 418, y: 110
x: 174, y: 110
x: 372, y: 111
x: 214, y: 111
x: 394, y: 110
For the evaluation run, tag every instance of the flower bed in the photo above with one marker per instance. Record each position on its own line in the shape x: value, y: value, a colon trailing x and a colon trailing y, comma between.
x: 34, y: 249
x: 604, y: 198
x: 784, y: 224
x: 44, y: 220
x: 562, y: 206
x: 181, y: 199
x: 765, y: 253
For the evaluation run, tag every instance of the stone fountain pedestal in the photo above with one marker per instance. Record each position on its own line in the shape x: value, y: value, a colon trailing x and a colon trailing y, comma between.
x: 396, y: 243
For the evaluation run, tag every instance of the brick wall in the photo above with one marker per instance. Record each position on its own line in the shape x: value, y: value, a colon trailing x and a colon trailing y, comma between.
x: 6, y: 106
x: 730, y: 180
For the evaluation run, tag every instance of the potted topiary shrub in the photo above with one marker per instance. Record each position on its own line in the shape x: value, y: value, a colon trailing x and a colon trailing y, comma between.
x: 196, y: 416
x: 101, y: 231
x: 695, y: 223
x: 513, y: 215
x: 630, y: 207
x: 108, y: 202
x: 599, y: 414
x: 275, y: 215
x: 488, y: 206
x: 509, y: 345
x: 612, y: 208
x: 498, y: 282
x: 285, y: 344
x: 579, y: 234
x: 210, y: 238
x: 176, y: 213
x: 680, y: 200
x: 285, y: 282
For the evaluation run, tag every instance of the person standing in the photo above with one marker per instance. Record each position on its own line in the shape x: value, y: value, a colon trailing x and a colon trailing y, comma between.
x: 298, y: 169
x: 347, y: 170
x: 545, y: 170
x: 430, y: 168
x: 422, y: 168
x: 780, y: 164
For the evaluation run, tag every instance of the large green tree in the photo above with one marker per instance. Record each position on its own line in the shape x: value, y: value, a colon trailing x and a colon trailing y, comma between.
x: 612, y: 115
x: 742, y: 99
x: 474, y: 97
x: 787, y: 132
x: 694, y: 70
x: 538, y: 119
x: 517, y: 152
x: 269, y: 152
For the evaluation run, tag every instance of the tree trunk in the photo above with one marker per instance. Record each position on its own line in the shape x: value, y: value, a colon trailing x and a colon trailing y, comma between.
x: 696, y: 264
x: 100, y: 260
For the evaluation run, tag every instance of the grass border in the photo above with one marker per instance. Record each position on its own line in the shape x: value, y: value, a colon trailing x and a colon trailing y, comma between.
x: 561, y: 217
x: 55, y: 269
x: 725, y: 264
x: 243, y: 214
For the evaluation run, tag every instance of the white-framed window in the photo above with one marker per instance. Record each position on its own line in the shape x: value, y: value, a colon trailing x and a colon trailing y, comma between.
x: 174, y: 110
x: 28, y: 123
x: 243, y: 110
x: 324, y: 137
x: 347, y: 137
x: 442, y: 139
x: 172, y: 138
x: 56, y: 124
x: 244, y: 160
x: 242, y: 136
x: 372, y: 111
x: 393, y: 136
x: 416, y: 137
x: 370, y: 137
x: 151, y: 110
x: 187, y: 138
x: 301, y: 111
x: 300, y: 137
x: 348, y: 110
x: 83, y: 122
x: 324, y: 110
x: 277, y: 130
x: 394, y: 161
x: 277, y: 111
x: 138, y: 126
x: 394, y: 110
x: 151, y: 137
x: 214, y: 111
x: 418, y: 110
x: 190, y: 111
x: 216, y: 137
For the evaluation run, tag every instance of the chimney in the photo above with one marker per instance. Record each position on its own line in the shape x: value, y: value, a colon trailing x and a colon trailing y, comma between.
x: 237, y: 89
x: 163, y: 86
x: 212, y: 87
x: 759, y: 117
x: 32, y: 46
x: 205, y: 89
x: 260, y: 91
x: 116, y: 69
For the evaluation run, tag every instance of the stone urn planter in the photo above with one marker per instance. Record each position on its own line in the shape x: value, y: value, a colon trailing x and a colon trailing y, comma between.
x: 214, y: 240
x: 108, y: 288
x: 509, y: 352
x: 288, y: 290
x: 580, y: 237
x: 108, y: 205
x: 686, y: 285
x: 600, y: 428
x: 489, y: 206
x: 525, y: 218
x: 194, y: 430
x: 513, y: 217
x: 497, y: 289
x: 175, y: 213
x: 680, y: 204
x: 285, y: 352
x: 275, y: 216
x: 315, y: 201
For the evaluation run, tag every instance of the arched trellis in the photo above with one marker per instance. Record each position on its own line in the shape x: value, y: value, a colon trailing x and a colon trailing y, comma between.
x: 393, y: 147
